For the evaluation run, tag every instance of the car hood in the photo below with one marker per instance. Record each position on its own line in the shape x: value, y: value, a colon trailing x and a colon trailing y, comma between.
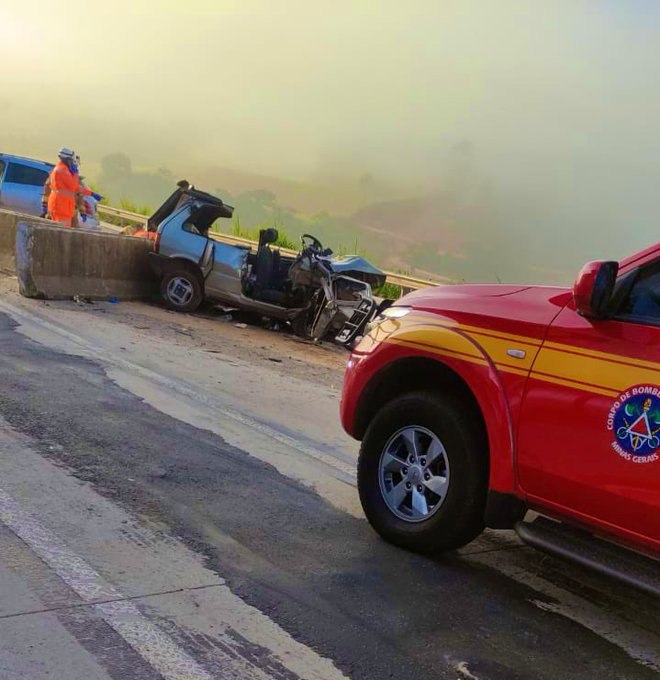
x: 463, y: 290
x: 352, y: 264
x: 491, y: 304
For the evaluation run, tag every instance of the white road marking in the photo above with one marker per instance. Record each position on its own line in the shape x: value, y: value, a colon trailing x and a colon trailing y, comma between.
x: 464, y: 671
x: 151, y: 643
x: 144, y: 561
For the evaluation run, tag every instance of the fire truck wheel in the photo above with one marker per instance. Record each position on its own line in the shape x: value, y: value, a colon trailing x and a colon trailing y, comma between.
x: 423, y: 472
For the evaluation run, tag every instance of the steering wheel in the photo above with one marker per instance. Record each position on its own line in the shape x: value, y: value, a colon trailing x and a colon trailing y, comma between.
x: 314, y: 245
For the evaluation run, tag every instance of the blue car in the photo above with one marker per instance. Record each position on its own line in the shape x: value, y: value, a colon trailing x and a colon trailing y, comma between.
x: 22, y: 182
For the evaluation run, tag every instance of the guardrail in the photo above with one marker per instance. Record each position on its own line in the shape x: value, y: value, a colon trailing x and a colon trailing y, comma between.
x: 123, y: 215
x: 406, y: 283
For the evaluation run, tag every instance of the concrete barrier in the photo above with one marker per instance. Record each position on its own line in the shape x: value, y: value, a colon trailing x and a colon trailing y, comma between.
x: 58, y: 263
x: 8, y: 223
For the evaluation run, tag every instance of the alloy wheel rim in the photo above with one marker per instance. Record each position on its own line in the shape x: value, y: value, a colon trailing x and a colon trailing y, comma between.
x: 413, y: 473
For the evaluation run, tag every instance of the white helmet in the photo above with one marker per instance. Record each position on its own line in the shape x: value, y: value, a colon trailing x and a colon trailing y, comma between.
x: 65, y: 153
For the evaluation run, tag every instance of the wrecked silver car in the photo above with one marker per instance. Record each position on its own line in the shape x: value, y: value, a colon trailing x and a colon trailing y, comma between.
x: 318, y: 294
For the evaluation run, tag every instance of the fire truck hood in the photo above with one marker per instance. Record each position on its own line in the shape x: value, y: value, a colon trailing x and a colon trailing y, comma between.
x: 535, y: 304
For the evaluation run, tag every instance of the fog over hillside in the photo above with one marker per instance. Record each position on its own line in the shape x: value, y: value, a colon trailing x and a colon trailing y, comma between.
x: 520, y: 137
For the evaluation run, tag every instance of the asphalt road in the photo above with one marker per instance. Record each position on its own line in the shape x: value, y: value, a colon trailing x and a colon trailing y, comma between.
x: 238, y: 541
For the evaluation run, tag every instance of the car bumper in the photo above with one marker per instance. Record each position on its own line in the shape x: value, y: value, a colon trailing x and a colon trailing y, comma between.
x: 350, y: 393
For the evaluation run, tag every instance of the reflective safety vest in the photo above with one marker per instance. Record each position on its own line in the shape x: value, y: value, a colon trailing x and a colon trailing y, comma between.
x: 64, y: 186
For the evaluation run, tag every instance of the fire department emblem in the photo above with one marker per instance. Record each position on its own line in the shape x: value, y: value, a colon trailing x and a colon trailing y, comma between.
x: 634, y: 420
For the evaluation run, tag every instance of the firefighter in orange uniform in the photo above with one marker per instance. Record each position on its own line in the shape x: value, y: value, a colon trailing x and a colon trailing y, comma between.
x: 64, y: 186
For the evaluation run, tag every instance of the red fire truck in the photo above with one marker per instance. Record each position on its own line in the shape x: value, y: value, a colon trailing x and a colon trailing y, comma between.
x: 478, y: 403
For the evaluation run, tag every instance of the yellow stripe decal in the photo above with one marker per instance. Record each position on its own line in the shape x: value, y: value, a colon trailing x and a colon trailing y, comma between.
x: 576, y: 386
x: 567, y: 365
x: 487, y: 332
x: 497, y: 351
x: 436, y: 349
x: 592, y: 370
x: 628, y: 361
x: 507, y: 368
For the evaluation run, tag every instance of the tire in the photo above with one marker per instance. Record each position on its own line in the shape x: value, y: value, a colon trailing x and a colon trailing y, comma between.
x: 187, y: 296
x: 459, y: 473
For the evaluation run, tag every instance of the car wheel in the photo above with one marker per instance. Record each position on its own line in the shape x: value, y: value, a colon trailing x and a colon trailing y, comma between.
x: 423, y: 473
x: 181, y: 290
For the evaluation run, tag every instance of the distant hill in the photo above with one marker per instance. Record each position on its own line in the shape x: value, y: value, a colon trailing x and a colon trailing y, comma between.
x: 310, y: 198
x: 466, y: 237
x: 414, y: 220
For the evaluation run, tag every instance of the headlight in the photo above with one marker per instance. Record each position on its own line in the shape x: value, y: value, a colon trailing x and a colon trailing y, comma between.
x: 387, y: 314
x: 395, y: 312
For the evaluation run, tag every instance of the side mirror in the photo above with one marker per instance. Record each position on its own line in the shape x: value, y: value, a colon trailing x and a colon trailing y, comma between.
x: 593, y: 288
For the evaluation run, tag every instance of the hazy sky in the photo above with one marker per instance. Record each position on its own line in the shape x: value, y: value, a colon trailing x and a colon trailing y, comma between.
x: 560, y: 99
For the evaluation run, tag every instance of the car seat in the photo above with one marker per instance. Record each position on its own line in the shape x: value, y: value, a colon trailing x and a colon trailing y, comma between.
x: 265, y: 262
x: 266, y: 270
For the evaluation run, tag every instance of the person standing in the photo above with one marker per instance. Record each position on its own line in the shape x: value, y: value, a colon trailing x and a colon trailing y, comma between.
x: 64, y: 187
